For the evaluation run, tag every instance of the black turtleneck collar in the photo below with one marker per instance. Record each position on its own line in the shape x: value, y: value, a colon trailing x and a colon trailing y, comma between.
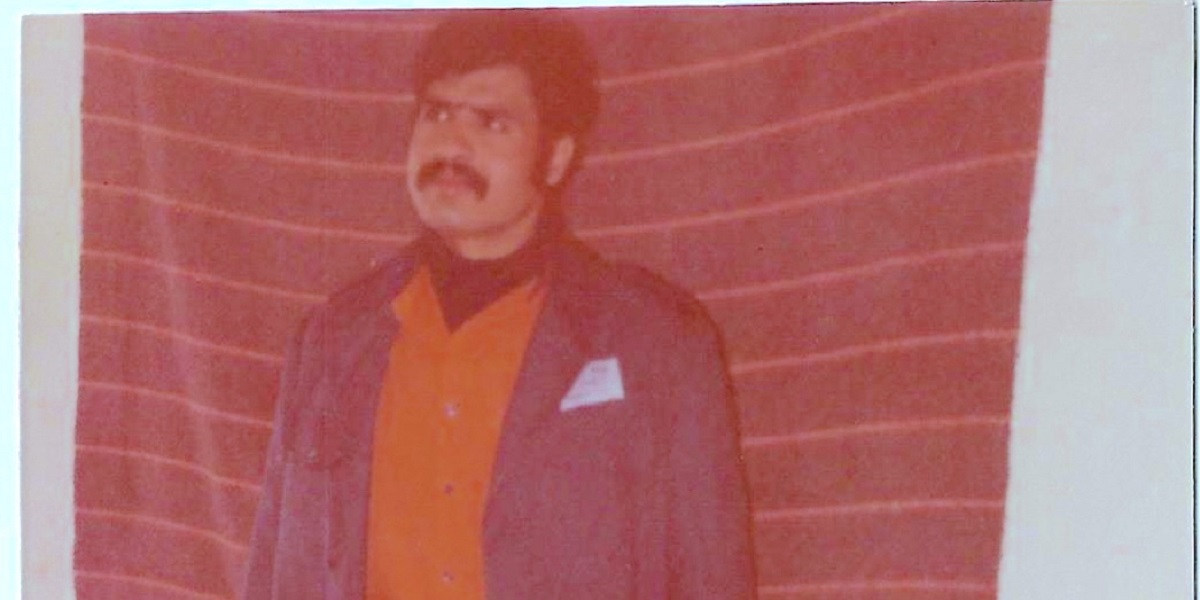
x: 465, y: 287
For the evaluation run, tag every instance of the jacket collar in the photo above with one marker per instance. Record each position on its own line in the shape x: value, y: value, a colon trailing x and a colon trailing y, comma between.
x: 571, y: 272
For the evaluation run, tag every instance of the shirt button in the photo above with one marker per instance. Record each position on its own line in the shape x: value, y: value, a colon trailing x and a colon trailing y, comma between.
x: 448, y: 489
x: 451, y: 410
x: 447, y: 577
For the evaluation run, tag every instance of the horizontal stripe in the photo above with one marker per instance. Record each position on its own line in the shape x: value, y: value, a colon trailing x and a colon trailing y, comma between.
x: 229, y: 250
x: 182, y: 337
x: 894, y: 546
x: 147, y: 425
x: 829, y: 155
x: 183, y: 400
x: 129, y: 546
x: 883, y: 585
x: 747, y: 57
x: 222, y: 382
x: 161, y: 523
x: 935, y: 303
x: 891, y: 345
x: 243, y: 149
x: 155, y: 583
x: 107, y: 189
x: 254, y: 83
x: 131, y: 292
x: 189, y: 466
x: 130, y: 480
x: 923, y: 173
x: 931, y: 463
x: 269, y: 190
x: 325, y: 22
x: 879, y: 428
x: 860, y: 271
x: 895, y: 506
x: 846, y: 110
x: 934, y: 383
x: 200, y: 276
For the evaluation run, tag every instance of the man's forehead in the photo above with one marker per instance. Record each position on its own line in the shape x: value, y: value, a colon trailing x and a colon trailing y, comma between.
x: 505, y: 85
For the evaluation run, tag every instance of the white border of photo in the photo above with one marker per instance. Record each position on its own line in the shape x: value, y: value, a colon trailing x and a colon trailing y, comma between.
x: 1101, y: 491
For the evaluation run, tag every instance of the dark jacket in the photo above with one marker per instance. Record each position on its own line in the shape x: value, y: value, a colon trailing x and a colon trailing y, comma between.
x: 639, y: 498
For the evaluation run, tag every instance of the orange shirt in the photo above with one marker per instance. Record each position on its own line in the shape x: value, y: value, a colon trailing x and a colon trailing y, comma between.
x: 443, y: 402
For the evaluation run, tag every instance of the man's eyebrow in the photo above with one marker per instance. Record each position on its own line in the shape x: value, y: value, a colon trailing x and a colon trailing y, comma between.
x: 483, y: 108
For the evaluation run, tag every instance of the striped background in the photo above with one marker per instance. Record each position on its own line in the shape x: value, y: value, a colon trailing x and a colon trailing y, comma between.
x: 846, y: 187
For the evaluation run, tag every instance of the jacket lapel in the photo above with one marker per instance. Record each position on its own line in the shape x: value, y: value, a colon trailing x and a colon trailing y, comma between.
x: 557, y: 350
x: 361, y: 350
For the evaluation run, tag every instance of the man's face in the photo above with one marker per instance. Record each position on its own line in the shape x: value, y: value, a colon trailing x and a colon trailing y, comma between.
x: 473, y: 157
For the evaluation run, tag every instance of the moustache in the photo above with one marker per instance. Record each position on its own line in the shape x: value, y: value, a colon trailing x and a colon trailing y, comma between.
x: 438, y: 169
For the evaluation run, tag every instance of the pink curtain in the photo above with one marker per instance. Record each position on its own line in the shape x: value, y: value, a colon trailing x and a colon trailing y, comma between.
x: 845, y: 186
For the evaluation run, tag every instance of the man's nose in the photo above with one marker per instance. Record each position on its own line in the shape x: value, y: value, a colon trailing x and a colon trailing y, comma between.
x: 449, y: 139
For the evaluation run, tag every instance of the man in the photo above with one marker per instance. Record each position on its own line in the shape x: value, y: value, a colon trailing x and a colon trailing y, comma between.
x: 498, y: 413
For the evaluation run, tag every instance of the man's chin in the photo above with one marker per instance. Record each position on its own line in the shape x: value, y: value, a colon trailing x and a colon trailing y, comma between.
x: 449, y: 192
x: 447, y: 207
x: 451, y: 223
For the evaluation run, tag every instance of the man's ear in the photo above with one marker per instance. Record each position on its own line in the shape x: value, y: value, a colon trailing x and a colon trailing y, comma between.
x: 561, y: 153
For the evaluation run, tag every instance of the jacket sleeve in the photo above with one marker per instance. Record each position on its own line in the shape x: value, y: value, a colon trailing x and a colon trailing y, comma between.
x: 709, y: 546
x: 260, y: 565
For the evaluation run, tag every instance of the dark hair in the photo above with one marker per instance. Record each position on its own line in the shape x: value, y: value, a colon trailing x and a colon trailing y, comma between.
x: 551, y: 51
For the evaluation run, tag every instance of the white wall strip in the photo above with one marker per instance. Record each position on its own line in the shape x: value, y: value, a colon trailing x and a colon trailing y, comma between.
x: 51, y: 93
x: 1098, y: 501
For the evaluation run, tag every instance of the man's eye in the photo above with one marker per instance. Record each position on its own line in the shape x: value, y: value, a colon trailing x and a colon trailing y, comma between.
x: 434, y: 112
x: 496, y: 124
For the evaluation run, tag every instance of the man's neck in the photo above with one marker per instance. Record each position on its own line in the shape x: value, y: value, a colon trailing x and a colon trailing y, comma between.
x: 465, y: 286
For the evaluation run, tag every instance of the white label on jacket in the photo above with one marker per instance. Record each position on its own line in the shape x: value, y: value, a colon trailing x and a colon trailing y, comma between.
x: 599, y: 381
